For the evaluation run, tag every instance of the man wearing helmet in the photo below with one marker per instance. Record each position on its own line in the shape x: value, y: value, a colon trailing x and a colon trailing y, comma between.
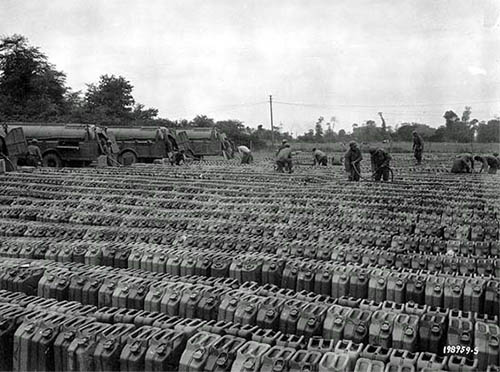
x: 352, y: 162
x: 380, y: 163
x: 418, y: 146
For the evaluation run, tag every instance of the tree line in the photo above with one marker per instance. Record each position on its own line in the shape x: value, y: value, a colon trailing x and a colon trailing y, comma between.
x: 32, y: 89
x: 455, y: 129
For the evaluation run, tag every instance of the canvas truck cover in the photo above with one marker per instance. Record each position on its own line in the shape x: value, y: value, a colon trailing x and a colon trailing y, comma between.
x: 135, y: 134
x: 14, y: 141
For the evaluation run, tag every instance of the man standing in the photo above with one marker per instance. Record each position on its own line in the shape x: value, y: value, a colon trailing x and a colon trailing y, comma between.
x: 246, y: 154
x: 418, y: 147
x: 319, y: 157
x: 284, y: 158
x: 353, y: 159
x: 380, y: 163
x: 34, y: 158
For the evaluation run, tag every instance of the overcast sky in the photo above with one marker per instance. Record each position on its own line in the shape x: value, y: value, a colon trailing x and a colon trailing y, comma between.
x: 411, y: 59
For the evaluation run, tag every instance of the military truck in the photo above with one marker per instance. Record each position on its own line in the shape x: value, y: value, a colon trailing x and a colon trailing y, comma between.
x: 208, y: 142
x: 12, y: 145
x: 69, y: 144
x: 146, y: 144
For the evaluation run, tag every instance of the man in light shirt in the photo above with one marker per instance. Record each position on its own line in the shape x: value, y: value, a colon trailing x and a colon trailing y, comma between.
x: 246, y: 154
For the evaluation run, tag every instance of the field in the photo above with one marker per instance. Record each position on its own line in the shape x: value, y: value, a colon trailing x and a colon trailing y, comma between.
x: 218, y: 266
x: 402, y: 147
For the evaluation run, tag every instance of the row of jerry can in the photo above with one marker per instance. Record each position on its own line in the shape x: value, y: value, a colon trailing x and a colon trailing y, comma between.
x: 45, y: 340
x: 474, y: 294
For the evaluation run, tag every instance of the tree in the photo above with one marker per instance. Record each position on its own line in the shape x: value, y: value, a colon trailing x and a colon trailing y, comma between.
x: 202, y: 121
x: 489, y: 132
x: 30, y: 87
x: 318, y: 129
x: 110, y: 101
x: 466, y: 114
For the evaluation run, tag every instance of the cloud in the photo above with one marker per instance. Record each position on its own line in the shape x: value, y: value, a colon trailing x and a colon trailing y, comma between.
x: 475, y: 70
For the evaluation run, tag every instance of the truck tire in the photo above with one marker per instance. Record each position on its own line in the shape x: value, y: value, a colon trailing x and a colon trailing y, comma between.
x: 127, y: 158
x: 52, y: 160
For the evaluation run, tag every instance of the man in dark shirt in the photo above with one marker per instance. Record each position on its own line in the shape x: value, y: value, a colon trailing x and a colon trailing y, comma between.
x: 418, y: 147
x: 319, y: 157
x: 488, y: 162
x: 463, y: 164
x: 352, y: 162
x: 380, y: 163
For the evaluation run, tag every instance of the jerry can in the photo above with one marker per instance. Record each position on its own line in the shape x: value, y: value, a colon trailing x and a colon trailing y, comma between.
x: 391, y: 367
x: 106, y: 314
x: 153, y: 298
x: 81, y: 349
x: 367, y: 365
x: 246, y: 310
x: 10, y: 318
x: 340, y: 282
x: 462, y: 363
x: 190, y: 299
x: 434, y: 291
x: 432, y: 332
x: 413, y: 308
x: 381, y: 328
x: 269, y: 312
x: 266, y: 336
x: 305, y: 279
x: 93, y: 256
x: 160, y: 262
x: 451, y: 265
x: 187, y: 266
x: 120, y: 293
x: 133, y: 353
x: 393, y: 307
x: 228, y: 305
x: 289, y: 316
x: 415, y: 289
x: 370, y: 305
x: 108, y: 348
x: 125, y: 315
x: 148, y: 318
x: 402, y: 261
x: 453, y: 293
x: 351, y: 350
x: 252, y: 271
x: 277, y: 358
x: 166, y: 321
x: 460, y: 332
x: 380, y: 353
x: 311, y: 320
x: 134, y: 259
x: 403, y: 357
x: 67, y: 333
x: 208, y: 306
x: 431, y: 361
x: 369, y: 257
x: 272, y: 271
x: 222, y: 353
x: 323, y: 281
x: 396, y: 287
x: 121, y: 258
x: 474, y: 295
x: 245, y: 331
x: 173, y: 265
x: 304, y: 360
x: 90, y: 291
x: 485, y: 266
x: 377, y: 285
x: 171, y: 299
x: 351, y: 302
x: 467, y: 266
x: 249, y: 357
x: 405, y: 334
x: 289, y: 277
x: 147, y: 261
x: 492, y: 298
x: 165, y: 350
x: 76, y: 285
x: 485, y: 318
x: 334, y: 323
x: 320, y: 344
x: 435, y: 264
x: 105, y: 294
x: 359, y: 283
x: 357, y: 326
x: 333, y: 362
x: 486, y: 340
x: 291, y: 340
x: 24, y: 351
x: 419, y: 262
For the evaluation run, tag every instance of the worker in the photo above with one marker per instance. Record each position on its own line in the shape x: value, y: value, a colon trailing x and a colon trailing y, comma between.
x: 463, y: 164
x: 352, y: 160
x: 246, y: 154
x: 380, y: 160
x: 319, y: 157
x: 284, y: 158
x: 488, y: 162
x: 109, y: 153
x: 418, y: 147
x: 283, y: 145
x: 178, y: 158
x: 34, y: 156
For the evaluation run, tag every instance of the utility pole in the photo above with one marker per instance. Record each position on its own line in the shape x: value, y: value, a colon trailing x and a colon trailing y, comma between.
x: 272, y: 125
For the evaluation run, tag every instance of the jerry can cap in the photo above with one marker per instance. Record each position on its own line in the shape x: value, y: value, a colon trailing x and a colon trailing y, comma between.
x: 294, y: 312
x: 270, y: 313
x: 360, y: 328
x: 135, y: 347
x: 249, y: 363
x: 381, y: 281
x: 409, y: 332
x: 198, y: 353
x: 385, y: 327
x: 436, y: 328
x: 109, y: 344
x: 278, y: 365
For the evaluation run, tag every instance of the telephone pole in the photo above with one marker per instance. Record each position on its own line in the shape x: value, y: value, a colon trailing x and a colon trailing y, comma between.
x: 272, y: 125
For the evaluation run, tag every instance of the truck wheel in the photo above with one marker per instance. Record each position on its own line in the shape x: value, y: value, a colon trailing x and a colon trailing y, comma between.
x: 52, y: 160
x: 127, y: 158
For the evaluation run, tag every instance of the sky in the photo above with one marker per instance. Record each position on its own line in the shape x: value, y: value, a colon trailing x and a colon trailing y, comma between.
x: 348, y: 59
